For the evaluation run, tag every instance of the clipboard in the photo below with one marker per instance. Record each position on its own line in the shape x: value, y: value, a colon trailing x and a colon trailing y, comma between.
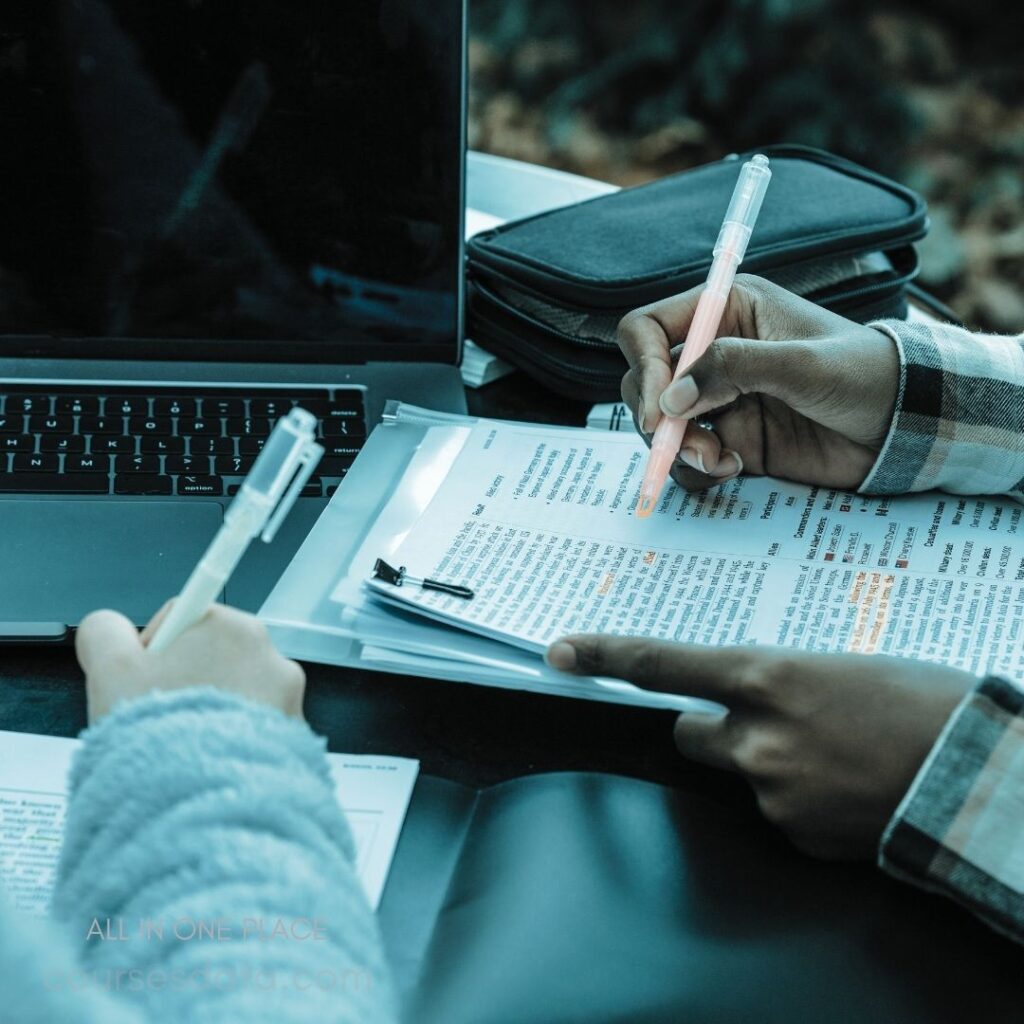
x: 320, y: 610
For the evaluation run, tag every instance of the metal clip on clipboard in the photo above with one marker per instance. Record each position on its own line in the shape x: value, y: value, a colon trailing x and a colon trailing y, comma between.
x: 397, y: 577
x: 321, y: 610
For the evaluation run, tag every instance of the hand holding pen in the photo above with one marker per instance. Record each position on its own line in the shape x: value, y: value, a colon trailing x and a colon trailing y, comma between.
x: 266, y: 496
x: 729, y: 251
x: 788, y: 389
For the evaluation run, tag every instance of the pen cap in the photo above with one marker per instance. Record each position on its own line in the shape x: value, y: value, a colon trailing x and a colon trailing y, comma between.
x: 276, y: 463
x: 744, y: 207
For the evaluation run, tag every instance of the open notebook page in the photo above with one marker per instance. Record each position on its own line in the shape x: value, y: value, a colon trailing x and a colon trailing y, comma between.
x: 539, y: 523
x: 373, y: 791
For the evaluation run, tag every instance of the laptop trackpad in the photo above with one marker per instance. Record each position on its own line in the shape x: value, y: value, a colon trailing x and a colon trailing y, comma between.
x: 60, y: 560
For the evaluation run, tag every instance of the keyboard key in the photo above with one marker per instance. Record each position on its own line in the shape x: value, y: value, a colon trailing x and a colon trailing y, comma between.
x: 145, y: 426
x: 101, y: 425
x: 35, y: 464
x: 250, y: 426
x: 17, y: 403
x: 346, y: 405
x: 272, y: 407
x: 16, y: 443
x: 87, y: 464
x: 59, y: 483
x: 188, y: 464
x: 61, y: 443
x: 200, y: 485
x: 136, y: 463
x: 330, y: 466
x: 211, y: 446
x: 251, y: 445
x: 344, y: 428
x: 77, y: 405
x: 192, y: 427
x: 142, y: 483
x: 12, y: 424
x: 340, y: 449
x: 127, y: 405
x: 51, y: 424
x: 175, y: 407
x: 113, y: 445
x: 223, y: 406
x: 162, y: 445
x: 311, y: 489
x: 232, y: 465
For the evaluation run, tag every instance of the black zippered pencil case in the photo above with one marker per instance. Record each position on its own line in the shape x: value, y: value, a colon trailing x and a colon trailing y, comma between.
x: 547, y: 292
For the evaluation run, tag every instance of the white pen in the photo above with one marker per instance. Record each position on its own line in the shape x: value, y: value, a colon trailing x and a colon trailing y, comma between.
x: 266, y: 496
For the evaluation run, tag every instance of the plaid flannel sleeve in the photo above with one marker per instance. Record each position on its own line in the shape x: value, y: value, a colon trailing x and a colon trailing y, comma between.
x: 960, y: 828
x: 959, y: 419
x: 959, y: 426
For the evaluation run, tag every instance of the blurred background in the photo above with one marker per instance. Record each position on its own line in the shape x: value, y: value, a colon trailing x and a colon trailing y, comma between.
x: 931, y: 93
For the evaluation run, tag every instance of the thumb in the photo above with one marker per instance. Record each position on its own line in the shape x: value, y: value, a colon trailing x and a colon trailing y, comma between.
x: 105, y: 637
x: 732, y: 367
x: 705, y: 738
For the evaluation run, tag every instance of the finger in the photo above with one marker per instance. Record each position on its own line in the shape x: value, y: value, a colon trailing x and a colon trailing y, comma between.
x: 647, y: 335
x: 105, y: 637
x: 705, y: 738
x: 713, y: 673
x: 154, y: 623
x: 732, y: 367
x: 702, y: 451
x: 647, y: 348
x: 631, y: 399
x: 704, y: 461
x: 220, y: 617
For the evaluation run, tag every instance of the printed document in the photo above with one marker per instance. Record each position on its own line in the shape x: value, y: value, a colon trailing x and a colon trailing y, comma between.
x: 373, y: 791
x: 539, y: 523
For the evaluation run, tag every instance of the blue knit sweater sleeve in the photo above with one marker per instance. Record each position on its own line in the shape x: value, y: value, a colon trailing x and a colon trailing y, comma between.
x: 207, y: 871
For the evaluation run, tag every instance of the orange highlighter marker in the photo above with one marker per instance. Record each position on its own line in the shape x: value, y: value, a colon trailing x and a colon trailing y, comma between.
x: 727, y: 255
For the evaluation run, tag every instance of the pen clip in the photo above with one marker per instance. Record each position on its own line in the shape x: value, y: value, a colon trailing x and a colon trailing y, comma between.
x: 306, y: 463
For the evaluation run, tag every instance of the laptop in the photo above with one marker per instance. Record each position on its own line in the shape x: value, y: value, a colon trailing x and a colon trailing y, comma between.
x: 210, y: 213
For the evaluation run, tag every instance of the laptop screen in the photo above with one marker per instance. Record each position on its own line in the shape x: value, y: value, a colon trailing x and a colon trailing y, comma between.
x: 281, y: 177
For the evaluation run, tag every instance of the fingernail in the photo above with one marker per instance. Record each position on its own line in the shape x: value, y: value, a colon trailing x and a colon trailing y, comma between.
x: 680, y: 396
x: 562, y: 656
x: 641, y: 416
x: 693, y: 458
x: 730, y: 464
x: 648, y: 425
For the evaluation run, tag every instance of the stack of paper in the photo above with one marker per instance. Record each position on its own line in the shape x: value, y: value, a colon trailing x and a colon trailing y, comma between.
x: 539, y: 523
x: 479, y: 367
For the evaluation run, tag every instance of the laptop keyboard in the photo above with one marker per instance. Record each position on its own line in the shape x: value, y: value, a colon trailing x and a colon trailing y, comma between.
x: 167, y: 441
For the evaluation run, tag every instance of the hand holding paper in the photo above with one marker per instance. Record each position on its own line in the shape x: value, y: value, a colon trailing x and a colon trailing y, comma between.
x: 829, y: 764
